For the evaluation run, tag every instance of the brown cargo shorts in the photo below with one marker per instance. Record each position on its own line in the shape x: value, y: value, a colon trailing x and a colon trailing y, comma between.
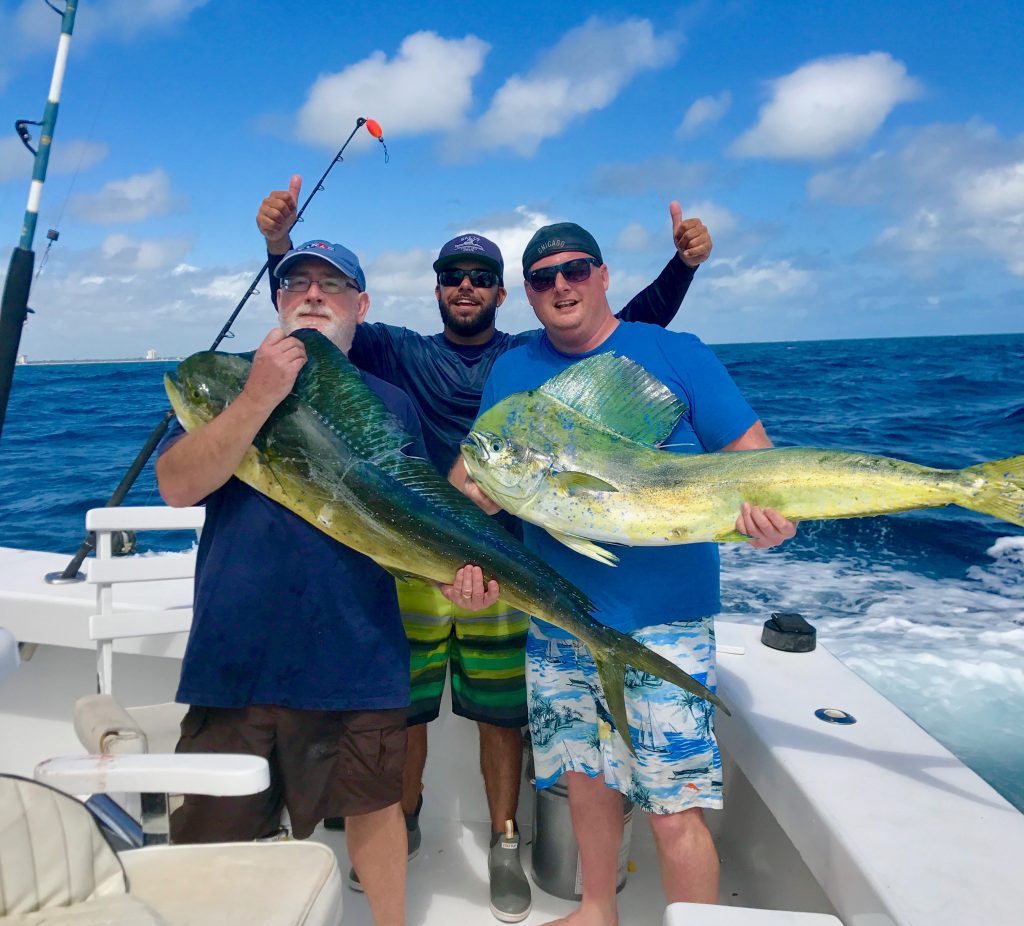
x: 322, y: 764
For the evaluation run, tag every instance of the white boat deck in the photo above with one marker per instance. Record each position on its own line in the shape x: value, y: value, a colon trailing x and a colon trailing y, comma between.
x: 876, y: 821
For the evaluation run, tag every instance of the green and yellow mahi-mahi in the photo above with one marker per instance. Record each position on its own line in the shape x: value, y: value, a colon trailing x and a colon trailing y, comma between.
x: 332, y: 453
x: 579, y: 457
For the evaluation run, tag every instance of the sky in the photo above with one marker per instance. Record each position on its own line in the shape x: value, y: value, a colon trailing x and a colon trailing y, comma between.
x: 860, y: 166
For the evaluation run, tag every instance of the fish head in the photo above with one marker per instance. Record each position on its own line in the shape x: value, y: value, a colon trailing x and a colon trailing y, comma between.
x: 509, y: 471
x: 204, y: 385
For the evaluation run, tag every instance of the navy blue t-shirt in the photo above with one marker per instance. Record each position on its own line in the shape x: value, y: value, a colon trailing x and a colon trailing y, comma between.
x: 445, y: 380
x: 286, y: 615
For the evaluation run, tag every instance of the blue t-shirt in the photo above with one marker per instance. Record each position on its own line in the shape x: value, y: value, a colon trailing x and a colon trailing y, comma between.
x: 650, y: 585
x: 286, y: 615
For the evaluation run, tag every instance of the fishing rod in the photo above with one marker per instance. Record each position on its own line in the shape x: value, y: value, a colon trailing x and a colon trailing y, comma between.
x: 70, y: 572
x: 14, y: 307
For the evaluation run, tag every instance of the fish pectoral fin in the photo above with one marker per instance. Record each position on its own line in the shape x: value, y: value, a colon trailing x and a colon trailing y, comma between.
x: 574, y: 482
x: 612, y: 673
x: 732, y: 536
x: 585, y: 547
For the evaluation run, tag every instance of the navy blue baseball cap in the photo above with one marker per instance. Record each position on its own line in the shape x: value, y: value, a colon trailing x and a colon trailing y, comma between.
x: 337, y: 255
x: 476, y: 247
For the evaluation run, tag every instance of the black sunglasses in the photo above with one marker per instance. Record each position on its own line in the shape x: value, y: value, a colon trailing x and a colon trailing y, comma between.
x: 481, y: 279
x: 576, y: 270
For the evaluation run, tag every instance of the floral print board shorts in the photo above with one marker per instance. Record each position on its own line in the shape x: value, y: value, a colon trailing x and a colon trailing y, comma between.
x: 677, y: 764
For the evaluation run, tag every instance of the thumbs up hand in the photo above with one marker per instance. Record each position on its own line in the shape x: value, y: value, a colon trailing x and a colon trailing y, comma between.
x: 691, y: 237
x: 277, y: 216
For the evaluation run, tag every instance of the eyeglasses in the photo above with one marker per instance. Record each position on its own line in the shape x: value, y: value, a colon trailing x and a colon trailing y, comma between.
x: 329, y: 285
x: 481, y: 279
x: 576, y: 270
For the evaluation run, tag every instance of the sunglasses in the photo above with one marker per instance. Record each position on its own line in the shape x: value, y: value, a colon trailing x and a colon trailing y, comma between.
x: 576, y: 270
x: 329, y: 285
x: 481, y: 279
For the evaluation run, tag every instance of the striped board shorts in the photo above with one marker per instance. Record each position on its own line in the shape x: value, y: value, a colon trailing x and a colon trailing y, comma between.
x: 677, y: 765
x: 485, y: 648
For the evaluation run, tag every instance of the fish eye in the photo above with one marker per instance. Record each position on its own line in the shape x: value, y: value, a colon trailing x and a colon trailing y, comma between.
x: 496, y: 446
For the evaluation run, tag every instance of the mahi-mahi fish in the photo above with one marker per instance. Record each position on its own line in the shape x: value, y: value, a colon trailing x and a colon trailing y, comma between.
x: 332, y: 453
x: 581, y: 457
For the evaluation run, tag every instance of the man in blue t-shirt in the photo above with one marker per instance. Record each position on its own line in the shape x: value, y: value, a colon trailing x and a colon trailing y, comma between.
x: 664, y: 596
x: 443, y: 374
x: 297, y: 651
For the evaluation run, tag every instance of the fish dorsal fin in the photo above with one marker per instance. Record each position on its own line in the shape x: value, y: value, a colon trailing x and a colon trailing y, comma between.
x: 619, y: 394
x: 334, y: 389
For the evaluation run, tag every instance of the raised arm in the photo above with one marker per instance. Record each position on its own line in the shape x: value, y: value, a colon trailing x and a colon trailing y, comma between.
x: 275, y: 219
x: 659, y: 302
x: 204, y: 459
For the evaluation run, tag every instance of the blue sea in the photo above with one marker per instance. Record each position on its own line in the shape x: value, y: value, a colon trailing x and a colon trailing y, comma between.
x: 928, y: 606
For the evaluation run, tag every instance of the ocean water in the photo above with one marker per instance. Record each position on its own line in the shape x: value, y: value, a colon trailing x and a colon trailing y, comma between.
x: 928, y: 606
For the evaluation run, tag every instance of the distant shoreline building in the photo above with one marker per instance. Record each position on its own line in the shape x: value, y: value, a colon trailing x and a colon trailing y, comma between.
x: 151, y: 354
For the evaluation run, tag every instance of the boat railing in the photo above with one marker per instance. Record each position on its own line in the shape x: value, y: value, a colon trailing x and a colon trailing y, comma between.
x: 108, y: 624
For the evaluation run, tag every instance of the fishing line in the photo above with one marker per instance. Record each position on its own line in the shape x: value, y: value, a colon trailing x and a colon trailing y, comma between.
x: 71, y: 573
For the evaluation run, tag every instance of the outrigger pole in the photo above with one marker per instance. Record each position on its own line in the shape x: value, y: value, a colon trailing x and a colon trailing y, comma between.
x: 14, y: 308
x: 71, y: 573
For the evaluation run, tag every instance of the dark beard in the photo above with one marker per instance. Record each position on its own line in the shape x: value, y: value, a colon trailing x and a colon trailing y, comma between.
x: 473, y: 326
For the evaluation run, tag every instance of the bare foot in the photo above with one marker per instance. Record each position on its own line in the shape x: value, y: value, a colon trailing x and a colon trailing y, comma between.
x: 586, y: 915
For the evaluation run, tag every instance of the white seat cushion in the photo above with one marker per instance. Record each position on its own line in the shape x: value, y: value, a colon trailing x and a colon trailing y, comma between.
x: 104, y: 911
x: 238, y: 884
x: 52, y: 853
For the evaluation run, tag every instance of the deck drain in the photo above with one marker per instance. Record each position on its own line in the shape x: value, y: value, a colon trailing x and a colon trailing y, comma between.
x: 834, y: 715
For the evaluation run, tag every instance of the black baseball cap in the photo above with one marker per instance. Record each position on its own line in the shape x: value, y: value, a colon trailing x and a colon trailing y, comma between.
x: 563, y: 236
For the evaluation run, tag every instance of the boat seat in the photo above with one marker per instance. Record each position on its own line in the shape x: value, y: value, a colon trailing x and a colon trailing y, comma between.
x: 692, y: 914
x: 57, y: 869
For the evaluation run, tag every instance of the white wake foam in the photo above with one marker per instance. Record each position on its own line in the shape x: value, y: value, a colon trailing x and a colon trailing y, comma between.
x: 949, y: 652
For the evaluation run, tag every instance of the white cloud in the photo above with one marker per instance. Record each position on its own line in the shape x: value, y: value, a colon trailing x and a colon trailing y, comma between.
x: 131, y: 254
x: 705, y: 111
x: 634, y: 237
x: 765, y: 281
x: 34, y: 27
x: 426, y: 87
x: 827, y: 106
x: 951, y: 191
x: 67, y: 157
x: 127, y: 296
x: 718, y: 219
x: 584, y: 71
x: 998, y: 191
x: 130, y: 200
x: 223, y: 286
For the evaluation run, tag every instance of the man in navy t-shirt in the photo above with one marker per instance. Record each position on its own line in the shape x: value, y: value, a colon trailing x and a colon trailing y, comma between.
x: 443, y: 374
x: 666, y: 596
x: 297, y: 651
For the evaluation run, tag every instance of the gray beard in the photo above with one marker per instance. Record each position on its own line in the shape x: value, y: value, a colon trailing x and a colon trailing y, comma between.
x: 481, y: 323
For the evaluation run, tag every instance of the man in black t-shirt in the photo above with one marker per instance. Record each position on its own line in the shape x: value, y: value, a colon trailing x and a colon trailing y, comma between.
x: 444, y: 374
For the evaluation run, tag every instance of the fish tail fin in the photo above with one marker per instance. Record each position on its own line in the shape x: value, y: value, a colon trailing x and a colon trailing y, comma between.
x: 996, y: 488
x: 612, y: 671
